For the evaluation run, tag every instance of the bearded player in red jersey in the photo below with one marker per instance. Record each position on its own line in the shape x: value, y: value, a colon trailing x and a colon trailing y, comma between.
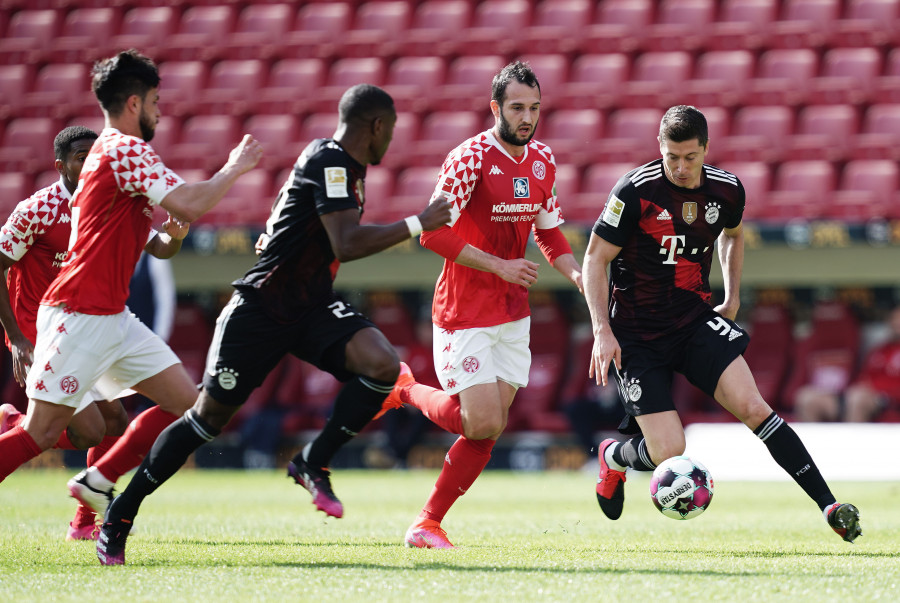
x: 33, y: 245
x: 502, y: 186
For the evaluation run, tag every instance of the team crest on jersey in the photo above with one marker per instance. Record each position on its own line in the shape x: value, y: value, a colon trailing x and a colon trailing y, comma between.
x: 712, y: 213
x: 520, y: 188
x: 613, y: 212
x: 689, y: 212
x: 336, y: 182
x: 539, y: 170
x: 470, y: 364
x: 361, y: 191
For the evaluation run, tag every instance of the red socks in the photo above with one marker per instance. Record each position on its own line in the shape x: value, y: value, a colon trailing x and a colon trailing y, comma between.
x: 440, y: 407
x: 131, y: 448
x: 464, y: 462
x: 17, y: 447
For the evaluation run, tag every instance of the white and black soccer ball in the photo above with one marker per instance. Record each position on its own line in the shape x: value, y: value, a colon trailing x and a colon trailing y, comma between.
x: 681, y: 488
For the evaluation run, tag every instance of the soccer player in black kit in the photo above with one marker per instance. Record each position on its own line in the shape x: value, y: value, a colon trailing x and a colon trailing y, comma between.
x: 286, y: 304
x: 652, y: 314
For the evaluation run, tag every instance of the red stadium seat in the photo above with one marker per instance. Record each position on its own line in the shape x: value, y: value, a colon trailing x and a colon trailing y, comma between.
x: 721, y: 77
x: 631, y: 135
x: 247, y: 203
x: 319, y: 29
x: 84, y: 35
x: 552, y: 72
x: 848, y: 76
x: 868, y: 23
x: 783, y: 77
x: 28, y: 35
x: 402, y: 151
x: 199, y: 35
x: 345, y: 73
x: 292, y: 86
x: 190, y: 339
x: 232, y: 87
x: 181, y: 83
x: 573, y: 135
x: 318, y: 125
x: 28, y: 144
x: 279, y: 136
x: 469, y: 81
x: 441, y: 132
x: 61, y: 90
x: 618, y: 26
x: 14, y: 187
x: 147, y: 28
x: 657, y: 78
x: 757, y: 134
x: 742, y: 25
x: 376, y: 26
x: 435, y: 24
x: 378, y: 196
x: 168, y: 134
x: 557, y: 27
x: 568, y: 185
x: 867, y: 190
x: 492, y: 22
x: 594, y: 81
x: 206, y: 141
x: 770, y: 351
x: 388, y: 311
x: 879, y: 133
x: 887, y: 87
x: 415, y: 82
x: 597, y: 183
x: 756, y: 177
x: 805, y: 24
x: 413, y: 189
x: 259, y: 30
x: 308, y: 392
x: 823, y: 131
x: 673, y: 19
x: 802, y: 189
x: 15, y: 82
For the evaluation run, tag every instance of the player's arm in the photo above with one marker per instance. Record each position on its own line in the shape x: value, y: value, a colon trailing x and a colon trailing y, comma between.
x: 555, y: 247
x: 22, y: 349
x: 447, y: 244
x: 351, y: 240
x: 190, y: 201
x: 166, y: 244
x: 600, y: 253
x: 731, y: 256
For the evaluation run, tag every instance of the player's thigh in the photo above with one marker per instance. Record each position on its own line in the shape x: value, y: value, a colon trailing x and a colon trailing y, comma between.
x: 335, y: 339
x: 464, y: 358
x: 369, y: 353
x: 171, y: 388
x: 512, y: 354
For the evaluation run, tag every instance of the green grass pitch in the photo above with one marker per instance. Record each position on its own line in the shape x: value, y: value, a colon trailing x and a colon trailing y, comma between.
x: 254, y: 536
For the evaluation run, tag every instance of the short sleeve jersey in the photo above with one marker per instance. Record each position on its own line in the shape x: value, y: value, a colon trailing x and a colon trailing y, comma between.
x: 296, y: 270
x: 496, y: 201
x: 660, y: 279
x: 112, y: 210
x: 882, y: 369
x: 36, y: 236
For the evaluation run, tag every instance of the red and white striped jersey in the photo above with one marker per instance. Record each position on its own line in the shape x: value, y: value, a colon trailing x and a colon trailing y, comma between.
x: 122, y: 179
x: 36, y: 236
x: 497, y: 199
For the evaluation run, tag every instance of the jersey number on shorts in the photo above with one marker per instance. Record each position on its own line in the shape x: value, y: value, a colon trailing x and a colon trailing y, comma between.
x: 340, y: 310
x: 719, y: 324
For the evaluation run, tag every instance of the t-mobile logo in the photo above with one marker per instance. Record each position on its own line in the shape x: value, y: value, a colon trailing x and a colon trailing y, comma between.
x: 672, y: 245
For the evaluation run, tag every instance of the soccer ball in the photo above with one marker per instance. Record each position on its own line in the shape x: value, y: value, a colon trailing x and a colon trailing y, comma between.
x: 681, y: 488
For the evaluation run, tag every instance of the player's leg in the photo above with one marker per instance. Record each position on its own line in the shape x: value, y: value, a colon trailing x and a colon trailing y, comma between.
x: 41, y: 428
x: 813, y: 404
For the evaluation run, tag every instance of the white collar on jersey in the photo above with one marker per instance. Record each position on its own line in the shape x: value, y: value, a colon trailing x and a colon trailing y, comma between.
x: 63, y: 190
x: 493, y: 140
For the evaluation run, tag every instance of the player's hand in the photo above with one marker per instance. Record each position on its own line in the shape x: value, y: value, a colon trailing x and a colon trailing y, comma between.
x: 246, y: 155
x: 22, y: 357
x: 518, y: 272
x: 175, y: 228
x: 436, y: 214
x: 261, y: 243
x: 606, y: 352
x: 728, y: 310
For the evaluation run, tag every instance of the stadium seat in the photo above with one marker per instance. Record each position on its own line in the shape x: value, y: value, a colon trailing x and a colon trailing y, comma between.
x: 412, y: 191
x: 568, y: 186
x: 319, y: 28
x: 190, y: 339
x: 805, y: 24
x: 61, y: 90
x: 721, y: 77
x: 756, y: 178
x: 232, y: 86
x: 168, y: 134
x: 415, y: 82
x: 15, y: 82
x: 673, y: 19
x: 259, y: 30
x: 291, y: 86
x: 206, y: 141
x: 28, y: 35
x: 557, y: 27
x: 718, y: 121
x: 28, y: 144
x: 594, y: 82
x: 783, y: 77
x: 378, y: 196
x: 868, y: 23
x: 867, y: 191
x: 823, y: 132
x: 802, y: 189
x: 656, y: 79
x: 308, y: 392
x: 402, y: 151
x: 596, y: 185
x: 757, y: 134
x: 147, y: 28
x: 318, y: 125
x: 97, y: 122
x: 376, y: 26
x: 887, y: 87
x: 552, y: 72
x: 45, y: 179
x: 848, y: 75
x: 199, y: 34
x: 441, y: 132
x: 742, y: 25
x: 181, y: 83
x: 387, y: 310
x: 631, y: 136
x: 492, y: 23
x: 879, y: 133
x: 770, y: 351
x: 469, y: 81
x: 573, y: 135
x: 343, y: 74
x: 84, y: 35
x: 14, y: 187
x: 279, y: 136
x: 618, y: 26
x: 435, y: 24
x: 827, y: 357
x: 247, y: 203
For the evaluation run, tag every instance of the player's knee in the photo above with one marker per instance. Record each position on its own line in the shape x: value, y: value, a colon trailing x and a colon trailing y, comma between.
x: 116, y: 425
x: 383, y: 367
x: 86, y: 437
x: 482, y: 426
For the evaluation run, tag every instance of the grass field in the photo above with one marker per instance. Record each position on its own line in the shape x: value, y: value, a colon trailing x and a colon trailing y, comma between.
x: 254, y: 536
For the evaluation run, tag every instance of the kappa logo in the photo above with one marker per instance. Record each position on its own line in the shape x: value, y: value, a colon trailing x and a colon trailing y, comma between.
x: 665, y: 215
x: 495, y: 170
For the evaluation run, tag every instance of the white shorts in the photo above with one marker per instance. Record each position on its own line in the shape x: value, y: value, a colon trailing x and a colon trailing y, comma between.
x: 467, y: 357
x: 79, y: 358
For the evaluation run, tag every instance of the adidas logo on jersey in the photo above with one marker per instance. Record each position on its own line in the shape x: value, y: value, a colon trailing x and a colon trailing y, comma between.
x: 495, y: 170
x: 665, y: 215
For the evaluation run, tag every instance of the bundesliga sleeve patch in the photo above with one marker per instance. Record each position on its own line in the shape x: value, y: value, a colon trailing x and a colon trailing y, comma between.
x: 336, y: 182
x: 613, y: 212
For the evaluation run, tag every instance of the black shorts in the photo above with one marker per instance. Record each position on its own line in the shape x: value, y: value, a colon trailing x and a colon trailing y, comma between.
x: 700, y: 351
x: 248, y: 343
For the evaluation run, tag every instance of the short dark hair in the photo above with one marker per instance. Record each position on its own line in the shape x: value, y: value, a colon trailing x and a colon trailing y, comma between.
x: 62, y: 144
x: 682, y: 123
x: 518, y: 71
x: 115, y: 79
x: 363, y: 103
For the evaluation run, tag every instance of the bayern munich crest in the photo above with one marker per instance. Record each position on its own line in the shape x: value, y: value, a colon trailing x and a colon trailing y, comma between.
x: 712, y: 213
x: 634, y: 390
x: 68, y: 384
x: 539, y: 170
x: 470, y: 364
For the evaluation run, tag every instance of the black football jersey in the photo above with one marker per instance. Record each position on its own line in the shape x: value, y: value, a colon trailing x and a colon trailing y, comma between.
x: 660, y: 279
x: 297, y: 267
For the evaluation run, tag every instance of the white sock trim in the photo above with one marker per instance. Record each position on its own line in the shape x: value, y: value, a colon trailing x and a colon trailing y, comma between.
x: 97, y: 480
x: 608, y: 457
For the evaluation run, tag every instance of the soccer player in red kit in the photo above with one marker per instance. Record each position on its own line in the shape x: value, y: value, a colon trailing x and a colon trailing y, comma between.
x: 33, y: 245
x: 502, y: 186
x: 86, y: 337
